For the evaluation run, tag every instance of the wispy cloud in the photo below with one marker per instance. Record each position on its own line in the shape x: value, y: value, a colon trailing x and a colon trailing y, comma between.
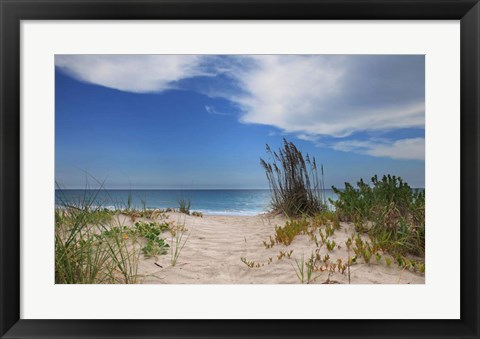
x: 411, y: 149
x: 212, y: 110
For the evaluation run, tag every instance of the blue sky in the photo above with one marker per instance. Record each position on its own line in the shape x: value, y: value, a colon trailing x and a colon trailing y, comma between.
x: 171, y: 121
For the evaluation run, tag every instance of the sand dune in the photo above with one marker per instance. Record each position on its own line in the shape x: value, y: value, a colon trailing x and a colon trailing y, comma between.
x: 216, y: 244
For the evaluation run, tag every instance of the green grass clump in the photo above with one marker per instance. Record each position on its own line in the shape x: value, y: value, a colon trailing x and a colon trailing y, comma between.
x: 331, y: 244
x: 294, y: 182
x: 99, y: 216
x: 178, y: 242
x: 390, y: 211
x: 184, y: 206
x: 327, y: 218
x: 286, y: 234
x: 92, y: 246
x: 151, y: 229
x: 115, y: 231
x: 304, y: 270
x: 88, y: 251
x: 134, y: 214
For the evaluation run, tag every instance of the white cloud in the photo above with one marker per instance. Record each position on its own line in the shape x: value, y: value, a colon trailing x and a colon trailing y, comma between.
x: 131, y: 73
x: 410, y: 149
x: 311, y: 97
x: 308, y: 137
x: 212, y: 110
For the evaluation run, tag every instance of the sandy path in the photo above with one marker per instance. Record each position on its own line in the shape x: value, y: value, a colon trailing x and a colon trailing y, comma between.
x: 216, y: 245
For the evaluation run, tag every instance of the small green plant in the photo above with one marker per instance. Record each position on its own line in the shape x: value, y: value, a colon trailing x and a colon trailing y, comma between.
x: 129, y: 201
x: 329, y: 231
x: 410, y: 264
x: 197, y: 214
x: 151, y: 229
x: 155, y: 245
x: 330, y: 245
x: 251, y: 264
x: 154, y: 248
x: 364, y: 249
x: 286, y: 234
x: 341, y: 266
x: 304, y: 270
x: 270, y: 243
x: 151, y: 213
x: 178, y: 243
x: 314, y: 238
x: 115, y: 231
x: 348, y: 243
x: 367, y: 255
x: 323, y: 237
x: 283, y: 254
x: 184, y: 206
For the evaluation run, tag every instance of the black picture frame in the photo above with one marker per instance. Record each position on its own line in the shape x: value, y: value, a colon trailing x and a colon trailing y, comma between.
x: 11, y: 14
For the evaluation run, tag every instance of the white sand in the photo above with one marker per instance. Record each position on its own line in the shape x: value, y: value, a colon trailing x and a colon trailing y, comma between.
x: 215, y: 245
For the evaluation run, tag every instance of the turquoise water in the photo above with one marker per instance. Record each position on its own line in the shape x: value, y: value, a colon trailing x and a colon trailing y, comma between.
x: 211, y: 202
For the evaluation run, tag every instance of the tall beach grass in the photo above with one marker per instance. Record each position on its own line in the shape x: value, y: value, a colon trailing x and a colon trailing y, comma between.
x: 296, y: 187
x: 86, y: 252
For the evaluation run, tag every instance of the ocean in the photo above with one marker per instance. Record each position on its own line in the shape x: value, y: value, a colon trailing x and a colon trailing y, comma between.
x: 209, y: 202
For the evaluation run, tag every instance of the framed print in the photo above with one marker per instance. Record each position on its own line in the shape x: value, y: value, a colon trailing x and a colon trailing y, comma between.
x: 245, y: 169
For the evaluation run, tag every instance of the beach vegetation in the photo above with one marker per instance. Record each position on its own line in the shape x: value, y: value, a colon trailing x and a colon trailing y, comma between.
x: 86, y: 252
x: 388, y: 210
x: 295, y: 185
x: 155, y: 245
x: 330, y: 245
x: 178, y: 242
x: 251, y: 264
x: 146, y: 213
x: 329, y: 231
x: 93, y: 246
x: 269, y: 243
x: 292, y: 228
x: 197, y: 214
x: 184, y: 206
x: 304, y: 270
x: 283, y: 254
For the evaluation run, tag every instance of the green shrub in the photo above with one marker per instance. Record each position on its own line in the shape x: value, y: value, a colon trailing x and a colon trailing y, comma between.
x: 393, y: 211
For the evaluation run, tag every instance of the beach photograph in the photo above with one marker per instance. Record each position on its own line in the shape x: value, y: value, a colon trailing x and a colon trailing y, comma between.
x: 239, y: 169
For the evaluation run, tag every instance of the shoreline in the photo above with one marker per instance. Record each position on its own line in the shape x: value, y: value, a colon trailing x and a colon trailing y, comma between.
x: 172, y: 210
